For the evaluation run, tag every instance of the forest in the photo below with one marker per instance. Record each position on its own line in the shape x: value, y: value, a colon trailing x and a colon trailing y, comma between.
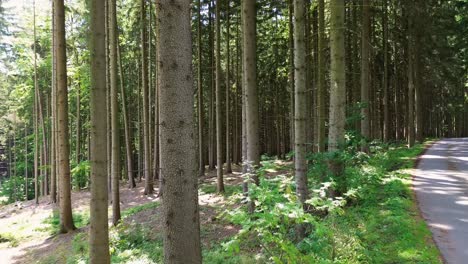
x: 230, y: 131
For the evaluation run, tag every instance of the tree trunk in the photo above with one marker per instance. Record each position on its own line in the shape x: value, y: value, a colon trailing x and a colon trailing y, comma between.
x: 300, y: 95
x: 98, y: 232
x: 115, y: 126
x: 128, y: 131
x: 365, y: 74
x: 321, y: 78
x: 411, y: 50
x: 228, y: 90
x: 250, y: 84
x: 291, y: 73
x: 66, y: 219
x: 201, y: 146
x: 178, y: 148
x: 36, y: 118
x: 211, y: 122
x: 386, y: 125
x: 53, y: 121
x: 219, y: 114
x: 146, y: 122
x: 338, y: 80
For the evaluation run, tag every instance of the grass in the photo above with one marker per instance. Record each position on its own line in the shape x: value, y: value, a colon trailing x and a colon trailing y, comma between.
x: 380, y: 225
x: 81, y: 219
x: 9, y: 238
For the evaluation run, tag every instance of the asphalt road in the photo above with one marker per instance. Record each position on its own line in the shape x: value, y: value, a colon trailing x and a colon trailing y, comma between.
x: 441, y: 186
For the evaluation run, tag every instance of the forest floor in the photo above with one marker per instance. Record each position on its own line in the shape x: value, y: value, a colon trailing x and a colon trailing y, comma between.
x: 25, y: 228
x: 380, y: 223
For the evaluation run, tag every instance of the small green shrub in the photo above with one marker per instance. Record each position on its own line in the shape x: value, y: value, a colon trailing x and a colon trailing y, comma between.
x: 80, y: 173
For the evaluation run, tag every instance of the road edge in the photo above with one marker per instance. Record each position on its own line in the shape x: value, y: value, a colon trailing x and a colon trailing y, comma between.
x: 414, y: 197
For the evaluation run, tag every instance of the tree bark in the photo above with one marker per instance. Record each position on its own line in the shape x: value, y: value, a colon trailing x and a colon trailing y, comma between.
x: 178, y: 159
x: 201, y: 146
x: 250, y: 84
x: 321, y: 78
x: 128, y: 131
x: 66, y: 219
x: 228, y: 90
x: 98, y: 232
x: 115, y: 126
x: 300, y: 95
x: 53, y: 121
x: 219, y: 114
x: 338, y: 81
x: 386, y: 125
x: 146, y: 122
x: 365, y: 74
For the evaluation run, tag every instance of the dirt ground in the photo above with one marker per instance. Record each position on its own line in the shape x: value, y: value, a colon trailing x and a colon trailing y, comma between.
x: 25, y: 221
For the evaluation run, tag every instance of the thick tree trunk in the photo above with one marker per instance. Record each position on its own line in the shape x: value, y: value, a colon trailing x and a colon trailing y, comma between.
x: 179, y: 168
x: 98, y: 232
x: 219, y: 114
x: 66, y: 219
x: 338, y: 80
x: 115, y: 126
x: 300, y: 100
x: 250, y: 84
x: 300, y: 95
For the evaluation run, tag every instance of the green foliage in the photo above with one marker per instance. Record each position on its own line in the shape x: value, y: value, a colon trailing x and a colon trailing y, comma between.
x: 80, y: 173
x: 139, y: 208
x: 228, y: 189
x: 80, y: 219
x: 372, y: 223
x: 8, y: 238
x: 14, y: 189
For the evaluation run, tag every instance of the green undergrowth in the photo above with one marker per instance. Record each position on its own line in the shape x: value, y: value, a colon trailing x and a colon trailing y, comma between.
x: 374, y: 221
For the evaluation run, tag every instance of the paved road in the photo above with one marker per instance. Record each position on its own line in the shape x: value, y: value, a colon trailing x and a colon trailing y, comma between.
x: 441, y: 185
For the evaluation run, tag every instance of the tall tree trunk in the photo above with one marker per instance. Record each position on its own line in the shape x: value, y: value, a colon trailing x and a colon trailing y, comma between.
x: 365, y: 74
x: 36, y: 118
x: 410, y: 72
x: 300, y: 116
x: 291, y: 77
x: 99, y: 229
x: 228, y: 90
x: 211, y: 122
x: 300, y: 95
x: 386, y: 125
x: 146, y: 122
x: 219, y: 114
x: 338, y: 81
x: 178, y: 159
x: 128, y: 131
x: 250, y: 84
x: 321, y: 78
x: 201, y: 146
x: 53, y: 121
x: 115, y: 126
x: 66, y: 219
